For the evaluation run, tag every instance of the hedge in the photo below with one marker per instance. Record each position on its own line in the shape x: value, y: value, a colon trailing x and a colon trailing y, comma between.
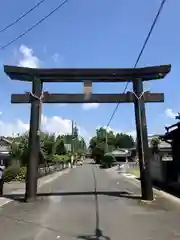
x: 14, y: 173
x: 61, y: 158
x: 107, y: 161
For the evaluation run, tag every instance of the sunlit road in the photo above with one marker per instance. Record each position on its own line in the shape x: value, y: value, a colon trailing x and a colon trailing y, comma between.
x: 90, y: 203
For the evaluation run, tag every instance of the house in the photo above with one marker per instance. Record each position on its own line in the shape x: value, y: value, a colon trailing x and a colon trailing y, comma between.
x: 122, y: 154
x: 172, y: 137
x: 5, y: 145
x: 164, y: 148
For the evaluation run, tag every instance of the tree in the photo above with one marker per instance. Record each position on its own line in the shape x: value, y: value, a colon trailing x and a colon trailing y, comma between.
x: 19, y: 149
x: 155, y: 144
x: 108, y: 139
x: 78, y: 141
x: 48, y: 145
x: 60, y: 148
x: 124, y: 141
x: 82, y: 145
x: 75, y: 132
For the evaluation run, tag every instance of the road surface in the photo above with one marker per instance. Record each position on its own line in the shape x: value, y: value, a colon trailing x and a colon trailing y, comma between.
x: 90, y: 203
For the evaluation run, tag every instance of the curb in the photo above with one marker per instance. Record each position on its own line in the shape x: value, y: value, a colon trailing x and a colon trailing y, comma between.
x: 160, y: 192
x: 4, y: 201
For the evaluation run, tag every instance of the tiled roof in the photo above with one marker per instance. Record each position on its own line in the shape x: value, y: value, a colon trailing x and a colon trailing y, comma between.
x: 5, y: 140
x: 162, y: 144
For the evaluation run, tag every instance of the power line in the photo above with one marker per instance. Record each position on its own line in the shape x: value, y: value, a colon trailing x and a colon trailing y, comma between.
x: 140, y: 54
x: 21, y: 17
x: 34, y: 26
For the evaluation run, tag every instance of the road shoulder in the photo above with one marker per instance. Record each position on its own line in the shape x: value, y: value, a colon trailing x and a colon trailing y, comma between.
x: 19, y: 187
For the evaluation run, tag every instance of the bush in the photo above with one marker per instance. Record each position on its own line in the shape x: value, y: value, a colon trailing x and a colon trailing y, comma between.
x: 60, y: 158
x: 11, y: 172
x: 107, y: 161
x: 22, y: 174
x: 97, y: 154
x: 14, y: 172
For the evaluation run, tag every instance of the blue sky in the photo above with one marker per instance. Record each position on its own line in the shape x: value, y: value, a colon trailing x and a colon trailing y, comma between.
x: 91, y: 33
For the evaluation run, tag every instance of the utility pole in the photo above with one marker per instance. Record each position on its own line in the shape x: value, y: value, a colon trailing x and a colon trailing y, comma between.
x: 106, y: 142
x: 72, y: 138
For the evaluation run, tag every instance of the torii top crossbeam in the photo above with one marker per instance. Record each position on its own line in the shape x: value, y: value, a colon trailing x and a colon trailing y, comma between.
x: 93, y: 74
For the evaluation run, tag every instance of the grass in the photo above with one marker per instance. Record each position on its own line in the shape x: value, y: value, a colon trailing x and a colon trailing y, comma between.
x: 135, y: 172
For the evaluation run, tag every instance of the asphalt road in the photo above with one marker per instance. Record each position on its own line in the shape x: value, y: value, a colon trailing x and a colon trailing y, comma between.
x: 90, y: 203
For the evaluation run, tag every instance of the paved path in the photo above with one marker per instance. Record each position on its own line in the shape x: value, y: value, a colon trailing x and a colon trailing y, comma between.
x: 90, y: 203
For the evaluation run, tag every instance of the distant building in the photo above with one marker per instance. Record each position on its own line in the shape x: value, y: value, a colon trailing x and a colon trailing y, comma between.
x: 172, y: 136
x: 5, y: 145
x: 164, y: 148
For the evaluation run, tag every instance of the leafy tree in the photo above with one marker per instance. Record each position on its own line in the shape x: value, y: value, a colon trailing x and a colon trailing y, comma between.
x: 48, y: 145
x: 75, y: 132
x: 18, y: 149
x: 60, y: 148
x: 124, y: 141
x: 108, y: 141
x: 155, y: 144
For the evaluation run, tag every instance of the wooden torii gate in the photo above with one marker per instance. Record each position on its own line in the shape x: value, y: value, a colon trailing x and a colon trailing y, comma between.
x: 87, y: 76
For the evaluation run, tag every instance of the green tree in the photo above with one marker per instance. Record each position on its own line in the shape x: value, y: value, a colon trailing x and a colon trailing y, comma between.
x: 124, y: 141
x: 19, y: 149
x: 48, y: 145
x: 108, y: 140
x: 97, y: 145
x: 60, y: 148
x: 155, y: 144
x: 75, y: 132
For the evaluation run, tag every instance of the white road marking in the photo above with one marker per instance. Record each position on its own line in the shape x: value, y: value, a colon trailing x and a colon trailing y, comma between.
x: 4, y: 201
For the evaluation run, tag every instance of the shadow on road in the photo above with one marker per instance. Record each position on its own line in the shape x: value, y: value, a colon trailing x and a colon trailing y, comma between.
x: 121, y: 194
x: 98, y: 235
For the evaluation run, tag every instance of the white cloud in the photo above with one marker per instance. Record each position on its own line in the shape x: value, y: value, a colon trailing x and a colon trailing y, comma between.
x: 11, y: 128
x: 54, y: 124
x: 109, y: 129
x: 0, y: 113
x: 28, y: 59
x: 169, y: 113
x: 85, y: 134
x: 55, y: 57
x: 88, y: 106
